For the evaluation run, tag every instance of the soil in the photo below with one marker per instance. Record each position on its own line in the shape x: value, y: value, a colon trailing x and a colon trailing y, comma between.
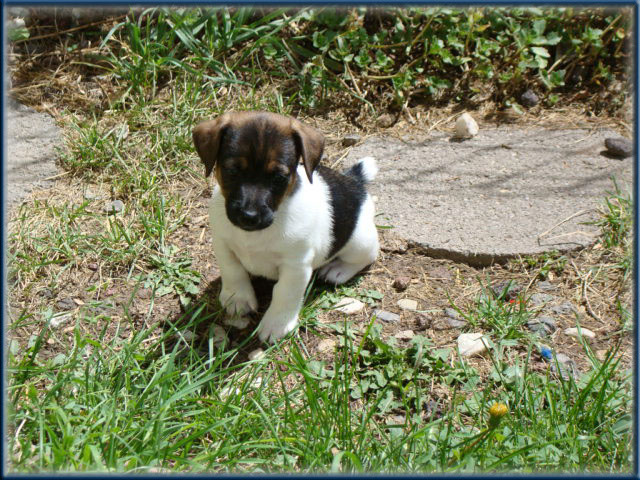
x: 434, y: 283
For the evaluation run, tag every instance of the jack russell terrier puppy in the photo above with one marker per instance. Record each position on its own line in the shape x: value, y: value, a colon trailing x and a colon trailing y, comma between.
x: 274, y: 217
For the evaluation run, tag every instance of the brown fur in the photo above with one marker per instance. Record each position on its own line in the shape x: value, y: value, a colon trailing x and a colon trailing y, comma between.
x: 310, y: 142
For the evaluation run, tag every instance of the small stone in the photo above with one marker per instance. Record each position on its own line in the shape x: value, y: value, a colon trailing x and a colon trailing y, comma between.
x: 350, y: 139
x: 237, y: 322
x: 546, y: 286
x: 405, y: 335
x: 511, y: 287
x: 114, y: 207
x: 573, y: 332
x: 46, y: 293
x: 408, y: 304
x: 59, y: 320
x: 440, y: 273
x: 326, y: 345
x: 386, y: 120
x: 219, y: 336
x: 564, y: 309
x: 451, y: 313
x: 401, y: 283
x: 529, y: 99
x: 471, y: 344
x: 538, y: 299
x: 466, y: 126
x: 601, y: 355
x: 455, y: 323
x: 349, y: 306
x: 386, y: 316
x: 567, y: 366
x: 619, y: 147
x: 543, y: 326
x: 188, y: 336
x: 92, y: 266
x: 256, y: 354
x: 66, y: 304
x: 50, y: 341
x: 422, y: 322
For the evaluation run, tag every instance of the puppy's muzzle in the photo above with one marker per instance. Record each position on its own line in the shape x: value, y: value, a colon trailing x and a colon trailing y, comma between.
x: 249, y: 217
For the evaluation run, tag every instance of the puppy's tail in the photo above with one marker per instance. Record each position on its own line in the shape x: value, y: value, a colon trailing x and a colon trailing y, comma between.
x: 364, y: 171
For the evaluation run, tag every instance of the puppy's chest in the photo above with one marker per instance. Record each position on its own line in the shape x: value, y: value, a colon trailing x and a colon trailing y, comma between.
x: 258, y: 258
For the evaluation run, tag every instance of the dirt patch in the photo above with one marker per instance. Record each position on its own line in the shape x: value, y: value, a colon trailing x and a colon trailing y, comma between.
x: 106, y: 304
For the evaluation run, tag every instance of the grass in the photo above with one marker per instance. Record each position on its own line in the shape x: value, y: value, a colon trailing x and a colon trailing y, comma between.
x: 137, y: 389
x: 171, y: 402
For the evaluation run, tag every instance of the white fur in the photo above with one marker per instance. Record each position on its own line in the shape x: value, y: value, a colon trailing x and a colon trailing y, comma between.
x: 369, y: 168
x: 295, y: 244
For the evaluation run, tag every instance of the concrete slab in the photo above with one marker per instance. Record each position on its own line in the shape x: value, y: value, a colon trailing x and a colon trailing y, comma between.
x: 31, y: 138
x: 504, y: 193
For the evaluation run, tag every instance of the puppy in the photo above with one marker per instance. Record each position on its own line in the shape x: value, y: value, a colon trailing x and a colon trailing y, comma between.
x: 274, y: 217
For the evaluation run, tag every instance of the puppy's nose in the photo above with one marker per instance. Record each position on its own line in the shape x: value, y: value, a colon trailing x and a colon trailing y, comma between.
x: 249, y: 217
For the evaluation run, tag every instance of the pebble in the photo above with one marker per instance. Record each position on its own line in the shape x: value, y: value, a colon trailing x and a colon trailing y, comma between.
x: 66, y: 304
x: 46, y: 293
x: 566, y: 366
x: 386, y: 316
x: 513, y: 289
x: 573, y: 332
x: 349, y: 305
x: 451, y: 313
x: 256, y: 354
x: 219, y: 336
x: 455, y: 323
x: 440, y: 273
x: 237, y: 322
x: 601, y: 355
x: 326, y: 345
x: 93, y: 266
x: 540, y: 299
x: 188, y: 336
x: 423, y: 322
x: 386, y: 120
x: 59, y: 320
x: 401, y: 283
x: 619, y: 147
x: 529, y: 98
x: 543, y: 326
x: 471, y: 344
x: 114, y: 207
x: 351, y: 139
x: 564, y: 309
x: 546, y: 286
x: 466, y: 126
x: 447, y: 323
x: 408, y: 304
x: 405, y: 335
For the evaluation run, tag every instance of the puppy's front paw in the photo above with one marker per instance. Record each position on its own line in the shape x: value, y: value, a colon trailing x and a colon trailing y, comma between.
x: 238, y: 301
x: 274, y: 327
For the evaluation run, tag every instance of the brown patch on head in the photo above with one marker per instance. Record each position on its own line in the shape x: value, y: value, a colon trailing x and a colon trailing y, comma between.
x: 310, y: 143
x: 258, y: 141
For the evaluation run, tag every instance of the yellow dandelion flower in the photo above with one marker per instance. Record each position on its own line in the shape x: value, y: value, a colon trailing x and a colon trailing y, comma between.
x: 496, y: 412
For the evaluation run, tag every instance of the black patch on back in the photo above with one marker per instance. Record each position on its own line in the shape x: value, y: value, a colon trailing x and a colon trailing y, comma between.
x: 348, y: 193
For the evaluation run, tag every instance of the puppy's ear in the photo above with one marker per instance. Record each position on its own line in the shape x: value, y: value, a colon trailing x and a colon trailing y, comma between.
x: 206, y: 137
x: 310, y: 145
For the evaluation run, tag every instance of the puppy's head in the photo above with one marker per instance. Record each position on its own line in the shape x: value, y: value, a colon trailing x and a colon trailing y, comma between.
x: 255, y: 156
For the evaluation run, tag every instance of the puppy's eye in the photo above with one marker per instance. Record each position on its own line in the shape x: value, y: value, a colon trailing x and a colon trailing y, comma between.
x: 280, y: 180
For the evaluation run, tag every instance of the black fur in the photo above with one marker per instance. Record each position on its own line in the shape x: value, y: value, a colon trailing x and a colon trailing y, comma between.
x: 348, y: 193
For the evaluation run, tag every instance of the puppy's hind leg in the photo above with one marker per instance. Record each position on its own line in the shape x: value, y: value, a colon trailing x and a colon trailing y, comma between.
x: 359, y: 252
